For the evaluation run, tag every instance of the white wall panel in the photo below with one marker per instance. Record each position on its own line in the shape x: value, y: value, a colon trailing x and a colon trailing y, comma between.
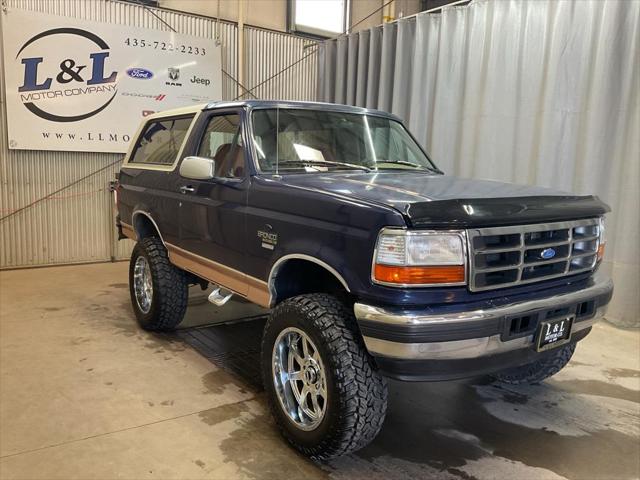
x: 536, y: 92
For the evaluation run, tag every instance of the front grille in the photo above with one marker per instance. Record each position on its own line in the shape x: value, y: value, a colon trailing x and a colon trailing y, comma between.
x: 508, y: 256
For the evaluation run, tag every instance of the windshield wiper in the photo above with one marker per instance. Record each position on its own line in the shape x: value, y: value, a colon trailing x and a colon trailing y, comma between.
x: 408, y: 164
x: 325, y: 163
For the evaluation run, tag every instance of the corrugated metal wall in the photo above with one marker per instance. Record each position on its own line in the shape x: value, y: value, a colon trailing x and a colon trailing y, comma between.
x: 76, y: 225
x: 268, y: 54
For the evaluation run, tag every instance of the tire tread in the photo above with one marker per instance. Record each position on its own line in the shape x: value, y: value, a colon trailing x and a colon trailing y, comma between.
x: 170, y: 286
x: 536, y: 372
x: 362, y: 390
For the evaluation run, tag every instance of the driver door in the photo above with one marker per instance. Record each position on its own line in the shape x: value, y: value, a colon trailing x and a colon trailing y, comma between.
x: 212, y: 212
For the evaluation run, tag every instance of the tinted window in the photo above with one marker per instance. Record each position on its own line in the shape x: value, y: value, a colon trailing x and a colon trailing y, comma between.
x: 161, y: 140
x: 222, y: 141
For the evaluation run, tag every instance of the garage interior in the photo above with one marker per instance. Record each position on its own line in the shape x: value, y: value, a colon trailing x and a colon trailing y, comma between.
x: 532, y: 92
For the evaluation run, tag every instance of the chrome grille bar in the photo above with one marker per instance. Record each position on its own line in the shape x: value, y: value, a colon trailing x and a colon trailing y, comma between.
x: 509, y: 256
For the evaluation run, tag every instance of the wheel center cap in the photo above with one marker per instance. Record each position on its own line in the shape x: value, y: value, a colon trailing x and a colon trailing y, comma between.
x: 311, y: 375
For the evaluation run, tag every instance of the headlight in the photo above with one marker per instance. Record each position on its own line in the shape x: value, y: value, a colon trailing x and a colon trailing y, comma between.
x: 602, y: 239
x: 419, y: 258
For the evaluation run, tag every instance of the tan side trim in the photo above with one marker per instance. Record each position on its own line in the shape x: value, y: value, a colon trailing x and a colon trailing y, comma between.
x: 253, y: 289
x: 259, y: 292
x: 128, y: 230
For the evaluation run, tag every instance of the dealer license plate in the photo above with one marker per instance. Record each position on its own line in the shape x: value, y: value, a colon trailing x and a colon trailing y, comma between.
x: 554, y: 333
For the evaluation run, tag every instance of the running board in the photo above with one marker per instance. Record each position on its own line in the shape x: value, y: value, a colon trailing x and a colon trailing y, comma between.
x: 219, y: 296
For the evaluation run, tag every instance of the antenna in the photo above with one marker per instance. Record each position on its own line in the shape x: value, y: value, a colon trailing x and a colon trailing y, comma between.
x: 277, y: 136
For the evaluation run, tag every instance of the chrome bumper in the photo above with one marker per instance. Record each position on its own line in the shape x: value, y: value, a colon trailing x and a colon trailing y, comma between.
x: 470, y: 347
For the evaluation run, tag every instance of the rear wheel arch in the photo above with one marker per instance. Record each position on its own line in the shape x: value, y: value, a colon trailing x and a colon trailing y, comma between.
x: 145, y: 226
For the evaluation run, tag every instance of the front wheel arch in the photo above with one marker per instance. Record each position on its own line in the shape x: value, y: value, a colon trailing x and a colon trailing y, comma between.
x: 294, y: 275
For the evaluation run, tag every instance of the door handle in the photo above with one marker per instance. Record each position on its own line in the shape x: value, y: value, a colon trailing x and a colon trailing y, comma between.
x: 187, y: 189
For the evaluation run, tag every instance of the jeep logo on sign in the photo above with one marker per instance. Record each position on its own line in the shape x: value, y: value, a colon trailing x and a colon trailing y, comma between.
x: 201, y: 81
x: 78, y: 75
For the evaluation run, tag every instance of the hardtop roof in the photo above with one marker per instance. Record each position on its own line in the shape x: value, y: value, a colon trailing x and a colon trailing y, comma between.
x: 260, y: 104
x: 334, y: 107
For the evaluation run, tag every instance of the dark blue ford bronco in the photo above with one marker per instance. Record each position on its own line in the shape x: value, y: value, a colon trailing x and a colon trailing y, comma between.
x: 373, y: 262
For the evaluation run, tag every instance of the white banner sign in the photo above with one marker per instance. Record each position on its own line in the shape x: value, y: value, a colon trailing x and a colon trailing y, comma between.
x: 75, y: 85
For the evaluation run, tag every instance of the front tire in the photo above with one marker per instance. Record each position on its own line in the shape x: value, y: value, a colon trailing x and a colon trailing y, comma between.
x: 158, y: 289
x: 324, y: 389
x: 539, y: 370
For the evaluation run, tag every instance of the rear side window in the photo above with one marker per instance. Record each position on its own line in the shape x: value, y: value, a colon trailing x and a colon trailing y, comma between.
x: 160, y: 141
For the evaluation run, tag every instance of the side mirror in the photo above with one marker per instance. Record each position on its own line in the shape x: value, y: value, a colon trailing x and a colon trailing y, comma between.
x: 197, y: 168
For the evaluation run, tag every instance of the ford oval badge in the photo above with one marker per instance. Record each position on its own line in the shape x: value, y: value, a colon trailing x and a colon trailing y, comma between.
x: 548, y: 253
x: 140, y: 73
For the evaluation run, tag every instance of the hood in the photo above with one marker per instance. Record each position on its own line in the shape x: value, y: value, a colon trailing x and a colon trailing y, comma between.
x: 445, y: 201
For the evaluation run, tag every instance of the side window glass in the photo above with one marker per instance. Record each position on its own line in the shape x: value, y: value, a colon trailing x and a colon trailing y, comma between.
x: 160, y: 141
x: 222, y: 141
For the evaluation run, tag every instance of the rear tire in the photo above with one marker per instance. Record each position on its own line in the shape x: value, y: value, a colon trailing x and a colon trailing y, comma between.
x: 539, y: 370
x: 158, y: 289
x: 353, y: 408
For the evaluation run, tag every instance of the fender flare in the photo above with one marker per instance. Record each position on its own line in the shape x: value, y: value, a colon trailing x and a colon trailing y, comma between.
x: 301, y: 256
x: 148, y: 215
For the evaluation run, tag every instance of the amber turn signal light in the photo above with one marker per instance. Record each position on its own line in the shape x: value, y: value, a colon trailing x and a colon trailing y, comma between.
x: 419, y: 275
x: 600, y: 251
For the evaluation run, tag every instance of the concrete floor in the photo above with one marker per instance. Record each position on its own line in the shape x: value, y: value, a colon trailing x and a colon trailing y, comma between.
x: 86, y: 394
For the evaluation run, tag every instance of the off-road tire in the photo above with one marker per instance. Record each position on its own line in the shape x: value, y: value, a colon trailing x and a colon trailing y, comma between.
x: 550, y: 364
x: 357, y: 393
x: 170, y: 287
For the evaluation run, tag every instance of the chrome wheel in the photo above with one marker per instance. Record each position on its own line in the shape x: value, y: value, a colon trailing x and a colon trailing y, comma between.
x: 299, y: 378
x: 143, y: 284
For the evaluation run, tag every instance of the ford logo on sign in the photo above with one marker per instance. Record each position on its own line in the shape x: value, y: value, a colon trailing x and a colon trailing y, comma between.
x: 140, y: 73
x: 548, y: 253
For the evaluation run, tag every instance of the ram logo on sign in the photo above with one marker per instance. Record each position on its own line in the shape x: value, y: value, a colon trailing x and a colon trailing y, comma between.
x: 76, y: 85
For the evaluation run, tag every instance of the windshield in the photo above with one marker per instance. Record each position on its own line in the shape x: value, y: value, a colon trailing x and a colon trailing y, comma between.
x: 303, y: 140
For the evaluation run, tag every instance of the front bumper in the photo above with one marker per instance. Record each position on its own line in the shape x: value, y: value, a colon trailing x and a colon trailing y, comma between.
x: 426, y: 345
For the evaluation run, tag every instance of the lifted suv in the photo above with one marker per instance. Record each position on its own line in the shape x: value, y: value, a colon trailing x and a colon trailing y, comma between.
x: 373, y: 262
